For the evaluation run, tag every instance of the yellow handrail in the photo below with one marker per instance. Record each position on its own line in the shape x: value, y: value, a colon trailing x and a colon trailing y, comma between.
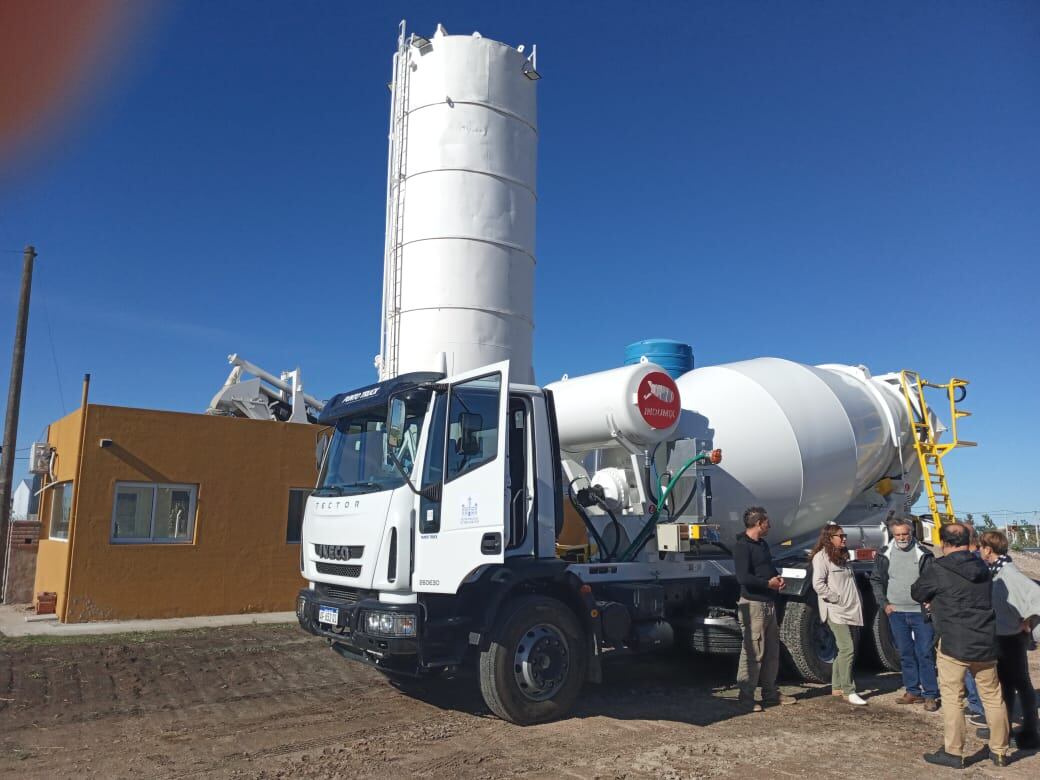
x: 930, y: 451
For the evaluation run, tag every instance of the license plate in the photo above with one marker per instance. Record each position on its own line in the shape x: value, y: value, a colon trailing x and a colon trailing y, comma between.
x: 328, y: 615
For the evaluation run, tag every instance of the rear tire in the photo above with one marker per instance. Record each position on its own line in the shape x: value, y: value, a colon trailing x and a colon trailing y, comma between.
x: 534, y: 669
x: 884, y: 644
x: 809, y: 642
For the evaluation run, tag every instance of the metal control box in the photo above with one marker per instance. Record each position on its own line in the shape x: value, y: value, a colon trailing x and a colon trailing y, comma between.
x: 673, y: 537
x: 680, y: 537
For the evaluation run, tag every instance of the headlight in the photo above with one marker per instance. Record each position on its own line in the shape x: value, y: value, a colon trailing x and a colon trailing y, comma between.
x: 389, y: 624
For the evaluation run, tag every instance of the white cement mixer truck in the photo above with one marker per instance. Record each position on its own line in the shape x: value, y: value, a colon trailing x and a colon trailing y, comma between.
x: 465, y: 515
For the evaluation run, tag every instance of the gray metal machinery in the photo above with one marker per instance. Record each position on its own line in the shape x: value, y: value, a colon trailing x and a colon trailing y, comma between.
x: 264, y: 396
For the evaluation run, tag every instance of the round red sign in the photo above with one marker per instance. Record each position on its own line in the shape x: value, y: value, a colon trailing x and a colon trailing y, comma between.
x: 658, y: 400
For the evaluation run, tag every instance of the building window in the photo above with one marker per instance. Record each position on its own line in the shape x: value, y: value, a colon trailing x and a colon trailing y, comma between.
x: 144, y: 512
x: 61, y: 510
x: 297, y: 503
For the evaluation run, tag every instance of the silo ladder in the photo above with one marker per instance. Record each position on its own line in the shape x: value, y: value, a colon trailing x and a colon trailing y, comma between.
x: 930, y: 451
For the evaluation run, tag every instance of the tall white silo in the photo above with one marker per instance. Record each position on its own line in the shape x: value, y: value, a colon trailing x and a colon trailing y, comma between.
x: 459, y: 264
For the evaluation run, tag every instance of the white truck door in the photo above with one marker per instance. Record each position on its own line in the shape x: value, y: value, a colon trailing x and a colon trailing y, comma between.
x: 465, y: 529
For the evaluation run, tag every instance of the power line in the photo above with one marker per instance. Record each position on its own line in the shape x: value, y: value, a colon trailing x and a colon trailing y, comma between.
x: 54, y: 353
x: 1002, y: 511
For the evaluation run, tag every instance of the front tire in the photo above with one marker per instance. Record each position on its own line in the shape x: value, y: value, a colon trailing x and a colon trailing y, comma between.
x: 535, y: 666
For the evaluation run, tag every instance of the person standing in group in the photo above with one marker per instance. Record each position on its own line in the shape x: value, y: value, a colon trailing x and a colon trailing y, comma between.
x: 896, y: 568
x: 840, y: 605
x: 759, y: 584
x: 957, y: 586
x: 976, y: 716
x: 1016, y: 602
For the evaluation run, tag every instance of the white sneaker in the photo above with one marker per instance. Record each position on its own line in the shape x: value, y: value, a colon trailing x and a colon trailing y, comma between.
x: 855, y: 698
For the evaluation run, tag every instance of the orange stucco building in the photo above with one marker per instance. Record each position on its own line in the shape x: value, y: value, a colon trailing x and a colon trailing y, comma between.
x: 151, y: 514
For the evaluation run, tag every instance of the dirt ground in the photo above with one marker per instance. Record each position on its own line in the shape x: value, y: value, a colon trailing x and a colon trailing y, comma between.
x: 272, y: 702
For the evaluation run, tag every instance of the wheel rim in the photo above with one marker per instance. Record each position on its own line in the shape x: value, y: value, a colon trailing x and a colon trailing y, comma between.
x: 823, y: 642
x: 541, y: 662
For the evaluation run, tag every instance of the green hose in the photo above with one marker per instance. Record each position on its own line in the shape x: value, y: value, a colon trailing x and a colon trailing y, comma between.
x: 662, y: 494
x: 675, y: 479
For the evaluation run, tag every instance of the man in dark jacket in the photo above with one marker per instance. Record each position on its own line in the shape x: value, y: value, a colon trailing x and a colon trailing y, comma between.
x: 896, y: 568
x: 957, y: 587
x: 759, y: 584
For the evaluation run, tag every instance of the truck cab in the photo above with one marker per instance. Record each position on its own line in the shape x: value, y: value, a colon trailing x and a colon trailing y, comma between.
x: 436, y: 495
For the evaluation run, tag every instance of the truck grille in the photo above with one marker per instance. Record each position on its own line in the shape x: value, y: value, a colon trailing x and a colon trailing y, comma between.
x: 339, y: 592
x: 339, y: 552
x: 338, y: 569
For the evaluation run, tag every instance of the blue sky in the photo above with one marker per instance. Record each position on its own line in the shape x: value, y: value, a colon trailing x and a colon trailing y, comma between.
x: 825, y: 182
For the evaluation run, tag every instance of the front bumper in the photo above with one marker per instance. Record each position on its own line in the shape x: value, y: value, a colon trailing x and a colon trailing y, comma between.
x: 349, y: 630
x: 440, y: 642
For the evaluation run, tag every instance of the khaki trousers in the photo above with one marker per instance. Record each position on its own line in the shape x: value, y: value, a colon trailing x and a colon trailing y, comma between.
x: 951, y: 688
x: 760, y: 650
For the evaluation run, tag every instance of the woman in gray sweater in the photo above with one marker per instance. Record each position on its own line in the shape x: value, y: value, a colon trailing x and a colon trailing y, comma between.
x: 840, y: 605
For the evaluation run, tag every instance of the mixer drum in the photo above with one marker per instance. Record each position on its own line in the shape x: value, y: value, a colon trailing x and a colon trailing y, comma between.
x: 802, y: 441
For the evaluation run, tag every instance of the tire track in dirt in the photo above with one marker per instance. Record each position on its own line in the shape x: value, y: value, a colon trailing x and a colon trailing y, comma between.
x: 293, y: 708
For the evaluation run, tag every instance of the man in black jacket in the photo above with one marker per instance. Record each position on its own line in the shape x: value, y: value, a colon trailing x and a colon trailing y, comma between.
x: 759, y: 584
x: 957, y: 587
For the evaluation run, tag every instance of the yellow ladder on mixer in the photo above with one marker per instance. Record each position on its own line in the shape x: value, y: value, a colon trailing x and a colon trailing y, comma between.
x: 930, y: 451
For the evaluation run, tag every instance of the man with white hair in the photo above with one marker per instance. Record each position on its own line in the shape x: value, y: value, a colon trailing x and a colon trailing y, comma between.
x: 896, y: 568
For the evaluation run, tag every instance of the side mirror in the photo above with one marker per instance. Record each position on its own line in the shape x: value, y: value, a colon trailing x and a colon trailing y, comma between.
x: 470, y: 424
x: 321, y: 446
x: 395, y: 423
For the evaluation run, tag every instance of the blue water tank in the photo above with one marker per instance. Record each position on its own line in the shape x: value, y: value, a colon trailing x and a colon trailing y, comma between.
x: 675, y: 357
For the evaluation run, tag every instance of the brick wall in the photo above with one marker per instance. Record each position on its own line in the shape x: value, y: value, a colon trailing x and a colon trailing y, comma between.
x: 23, y: 545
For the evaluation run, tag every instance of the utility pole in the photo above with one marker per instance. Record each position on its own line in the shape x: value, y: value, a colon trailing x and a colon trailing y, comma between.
x: 14, y: 398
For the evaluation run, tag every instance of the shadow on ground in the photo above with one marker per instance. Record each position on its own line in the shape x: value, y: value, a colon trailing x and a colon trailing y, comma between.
x: 698, y: 690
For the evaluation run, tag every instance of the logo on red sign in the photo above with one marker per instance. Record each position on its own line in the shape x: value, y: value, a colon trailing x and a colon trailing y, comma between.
x: 658, y: 400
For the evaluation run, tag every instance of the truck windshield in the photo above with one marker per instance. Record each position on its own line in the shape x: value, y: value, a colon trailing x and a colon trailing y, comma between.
x: 358, y: 459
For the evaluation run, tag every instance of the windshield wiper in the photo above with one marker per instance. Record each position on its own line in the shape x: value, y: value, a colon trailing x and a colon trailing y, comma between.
x: 343, y: 489
x: 365, y: 485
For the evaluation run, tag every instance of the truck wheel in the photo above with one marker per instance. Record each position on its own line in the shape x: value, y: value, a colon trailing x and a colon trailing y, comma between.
x: 884, y: 645
x: 809, y: 642
x: 535, y: 666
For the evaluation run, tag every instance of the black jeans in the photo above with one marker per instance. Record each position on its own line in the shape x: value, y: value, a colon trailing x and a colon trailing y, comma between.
x: 1013, y: 672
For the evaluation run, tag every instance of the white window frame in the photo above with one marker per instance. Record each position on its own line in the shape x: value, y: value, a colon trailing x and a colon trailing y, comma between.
x: 192, y: 507
x: 50, y: 511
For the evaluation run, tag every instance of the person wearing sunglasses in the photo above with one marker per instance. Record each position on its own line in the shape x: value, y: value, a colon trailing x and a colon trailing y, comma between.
x: 840, y: 606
